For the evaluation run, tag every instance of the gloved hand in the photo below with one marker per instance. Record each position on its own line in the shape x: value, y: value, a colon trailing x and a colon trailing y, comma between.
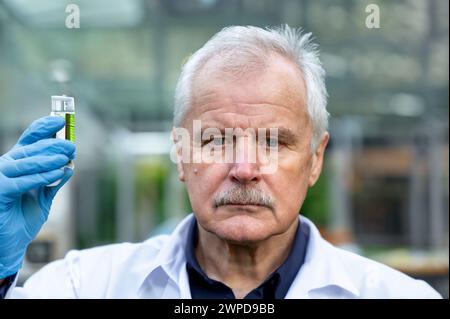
x: 35, y: 161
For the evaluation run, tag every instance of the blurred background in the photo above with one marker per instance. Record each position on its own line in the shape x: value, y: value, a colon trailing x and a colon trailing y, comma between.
x: 384, y: 191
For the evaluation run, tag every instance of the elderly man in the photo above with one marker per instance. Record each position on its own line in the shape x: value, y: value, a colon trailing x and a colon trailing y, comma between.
x: 245, y: 238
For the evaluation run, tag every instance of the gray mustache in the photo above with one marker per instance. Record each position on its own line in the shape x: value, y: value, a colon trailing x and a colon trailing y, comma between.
x: 243, y: 196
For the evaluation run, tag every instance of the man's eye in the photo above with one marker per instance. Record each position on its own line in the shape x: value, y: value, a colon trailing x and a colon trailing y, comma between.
x: 218, y: 141
x: 271, y: 142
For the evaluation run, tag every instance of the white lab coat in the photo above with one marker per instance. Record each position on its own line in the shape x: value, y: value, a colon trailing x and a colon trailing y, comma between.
x: 156, y: 268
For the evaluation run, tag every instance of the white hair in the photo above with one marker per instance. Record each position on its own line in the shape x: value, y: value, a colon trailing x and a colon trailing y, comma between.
x: 244, y: 47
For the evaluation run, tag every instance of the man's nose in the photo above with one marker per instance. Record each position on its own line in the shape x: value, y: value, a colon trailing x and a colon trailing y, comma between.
x: 245, y: 173
x: 245, y: 168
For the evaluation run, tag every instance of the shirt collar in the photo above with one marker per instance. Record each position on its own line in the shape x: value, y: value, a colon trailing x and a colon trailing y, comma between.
x: 320, y: 259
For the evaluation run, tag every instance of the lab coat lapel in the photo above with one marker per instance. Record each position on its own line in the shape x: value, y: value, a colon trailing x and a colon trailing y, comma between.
x: 322, y: 272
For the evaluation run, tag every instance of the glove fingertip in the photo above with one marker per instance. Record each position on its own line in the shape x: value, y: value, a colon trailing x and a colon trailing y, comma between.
x: 68, y: 172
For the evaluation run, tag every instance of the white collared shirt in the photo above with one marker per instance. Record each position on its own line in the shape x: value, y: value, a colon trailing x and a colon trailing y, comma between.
x: 156, y: 268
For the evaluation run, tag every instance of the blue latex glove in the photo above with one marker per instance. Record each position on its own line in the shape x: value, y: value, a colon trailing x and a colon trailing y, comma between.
x: 35, y: 161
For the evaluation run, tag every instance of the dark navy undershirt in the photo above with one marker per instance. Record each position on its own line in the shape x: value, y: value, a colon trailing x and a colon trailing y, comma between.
x: 274, y: 287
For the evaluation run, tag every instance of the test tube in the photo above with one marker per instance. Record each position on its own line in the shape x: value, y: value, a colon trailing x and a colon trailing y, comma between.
x: 64, y: 106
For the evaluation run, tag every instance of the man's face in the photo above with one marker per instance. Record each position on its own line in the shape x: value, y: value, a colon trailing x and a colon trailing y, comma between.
x: 226, y: 197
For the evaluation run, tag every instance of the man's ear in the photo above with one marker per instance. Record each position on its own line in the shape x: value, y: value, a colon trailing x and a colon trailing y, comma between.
x: 179, y: 154
x: 317, y: 160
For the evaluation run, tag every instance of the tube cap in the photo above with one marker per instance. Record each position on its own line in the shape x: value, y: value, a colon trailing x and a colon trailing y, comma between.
x: 63, y: 103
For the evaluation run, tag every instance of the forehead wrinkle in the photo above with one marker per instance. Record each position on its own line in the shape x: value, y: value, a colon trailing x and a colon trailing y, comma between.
x: 240, y: 107
x: 270, y: 104
x: 214, y: 100
x: 206, y: 96
x: 234, y: 120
